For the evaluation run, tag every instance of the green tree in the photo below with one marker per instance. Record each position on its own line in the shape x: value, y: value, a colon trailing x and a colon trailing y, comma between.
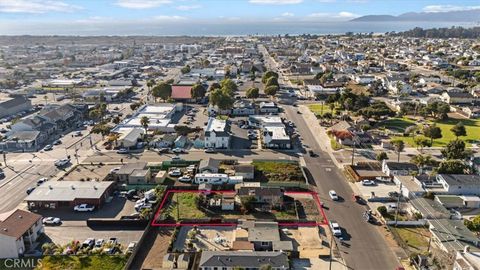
x: 452, y: 167
x: 214, y: 86
x: 144, y: 121
x: 455, y: 150
x: 432, y: 132
x: 221, y: 99
x: 326, y: 77
x: 253, y: 93
x: 163, y: 91
x: 422, y: 160
x: 229, y: 86
x: 399, y: 146
x: 381, y: 156
x: 272, y: 81
x: 248, y: 203
x: 198, y: 91
x: 474, y: 224
x: 459, y: 130
x: 102, y: 129
x: 421, y: 141
x: 186, y: 69
x: 318, y: 75
x: 267, y: 75
x: 271, y: 90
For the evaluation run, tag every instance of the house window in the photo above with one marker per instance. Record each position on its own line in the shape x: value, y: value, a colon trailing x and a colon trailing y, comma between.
x: 265, y: 244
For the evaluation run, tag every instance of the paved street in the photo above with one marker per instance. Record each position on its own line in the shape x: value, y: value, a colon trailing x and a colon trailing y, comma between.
x: 368, y: 249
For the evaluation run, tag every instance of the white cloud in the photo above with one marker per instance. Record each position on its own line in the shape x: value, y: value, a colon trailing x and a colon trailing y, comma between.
x: 332, y: 16
x: 188, y: 7
x: 287, y: 14
x: 276, y: 2
x: 446, y: 8
x: 36, y: 6
x: 173, y: 18
x: 142, y: 4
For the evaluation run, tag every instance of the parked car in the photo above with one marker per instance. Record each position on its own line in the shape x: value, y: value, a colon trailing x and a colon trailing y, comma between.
x: 312, y: 154
x: 62, y: 162
x: 2, y: 174
x: 358, y: 199
x: 84, y: 208
x: 111, y: 246
x: 88, y: 243
x: 131, y: 246
x: 333, y: 195
x: 51, y: 221
x: 164, y: 150
x: 185, y: 179
x: 30, y: 190
x: 175, y: 173
x: 77, y: 134
x: 209, y: 150
x: 123, y: 151
x: 368, y: 183
x: 178, y: 150
x: 99, y: 243
x: 114, y: 170
x: 41, y: 181
x: 336, y: 230
x: 57, y: 142
x: 48, y: 147
x: 176, y: 158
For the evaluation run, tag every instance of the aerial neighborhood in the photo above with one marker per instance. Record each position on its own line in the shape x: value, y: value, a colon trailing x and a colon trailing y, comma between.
x: 241, y: 152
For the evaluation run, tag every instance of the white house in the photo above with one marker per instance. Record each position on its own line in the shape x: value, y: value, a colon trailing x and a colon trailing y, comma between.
x: 217, y: 133
x: 364, y: 79
x: 216, y: 179
x: 460, y: 184
x: 19, y: 232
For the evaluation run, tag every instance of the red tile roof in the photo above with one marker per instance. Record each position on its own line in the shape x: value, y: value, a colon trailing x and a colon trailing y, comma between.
x: 181, y: 91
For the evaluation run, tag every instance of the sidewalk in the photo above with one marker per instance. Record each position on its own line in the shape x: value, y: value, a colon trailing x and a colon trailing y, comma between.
x: 320, y: 133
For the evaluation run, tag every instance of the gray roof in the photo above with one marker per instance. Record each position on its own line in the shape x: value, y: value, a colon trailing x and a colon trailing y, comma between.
x: 130, y: 167
x: 244, y: 168
x: 13, y: 102
x: 69, y: 190
x: 396, y: 166
x: 264, y: 231
x: 460, y: 179
x: 260, y: 191
x: 209, y: 162
x: 243, y: 259
x: 24, y: 135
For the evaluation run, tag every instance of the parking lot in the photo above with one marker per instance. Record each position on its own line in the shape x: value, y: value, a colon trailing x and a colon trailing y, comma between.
x: 240, y: 138
x: 380, y: 189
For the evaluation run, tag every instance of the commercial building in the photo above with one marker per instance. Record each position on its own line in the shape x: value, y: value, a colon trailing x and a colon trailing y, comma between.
x: 159, y: 116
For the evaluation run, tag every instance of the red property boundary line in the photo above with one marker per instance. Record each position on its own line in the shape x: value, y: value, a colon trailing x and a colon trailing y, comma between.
x: 166, y: 196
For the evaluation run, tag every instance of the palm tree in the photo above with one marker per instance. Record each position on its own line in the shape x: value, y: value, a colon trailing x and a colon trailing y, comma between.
x: 150, y: 84
x: 144, y: 121
x: 421, y: 161
x: 399, y: 146
x: 46, y: 99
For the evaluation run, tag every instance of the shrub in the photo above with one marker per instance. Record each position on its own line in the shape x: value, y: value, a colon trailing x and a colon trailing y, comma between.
x: 382, y: 210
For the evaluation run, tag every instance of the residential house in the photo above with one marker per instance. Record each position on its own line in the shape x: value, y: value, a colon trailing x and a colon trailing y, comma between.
x: 276, y: 137
x: 268, y: 107
x: 27, y: 141
x: 265, y: 236
x: 392, y: 168
x: 266, y: 198
x: 230, y: 260
x: 460, y: 184
x: 129, y: 137
x: 471, y: 111
x: 244, y: 170
x: 209, y: 165
x: 14, y: 105
x: 65, y: 117
x: 243, y: 107
x: 134, y: 173
x: 19, y: 232
x: 457, y: 97
x: 182, y: 92
x: 217, y: 133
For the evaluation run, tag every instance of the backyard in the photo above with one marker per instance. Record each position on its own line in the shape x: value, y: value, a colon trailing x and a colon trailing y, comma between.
x: 278, y: 171
x: 472, y: 126
x: 411, y: 238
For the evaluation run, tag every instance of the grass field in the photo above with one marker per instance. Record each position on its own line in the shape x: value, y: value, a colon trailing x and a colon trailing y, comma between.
x: 187, y: 208
x: 317, y: 109
x: 396, y: 124
x: 415, y: 238
x: 472, y: 127
x: 91, y: 262
x: 277, y: 171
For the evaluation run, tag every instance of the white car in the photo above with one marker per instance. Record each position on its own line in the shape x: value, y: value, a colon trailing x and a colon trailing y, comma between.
x: 48, y: 147
x: 114, y: 170
x: 185, y: 179
x: 336, y: 231
x: 368, y: 183
x: 99, y: 243
x: 333, y: 195
x: 175, y: 173
x: 51, y: 221
x: 41, y: 181
x: 84, y: 208
x: 122, y: 151
x: 178, y: 150
x: 131, y: 246
x: 62, y: 162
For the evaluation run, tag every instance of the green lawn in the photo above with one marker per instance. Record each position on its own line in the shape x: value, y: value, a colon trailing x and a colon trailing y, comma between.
x: 415, y: 238
x: 317, y: 109
x: 472, y: 126
x: 92, y: 262
x: 277, y: 171
x: 187, y: 206
x: 396, y: 124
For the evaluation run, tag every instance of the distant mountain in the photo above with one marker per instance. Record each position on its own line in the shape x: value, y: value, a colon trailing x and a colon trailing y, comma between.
x: 451, y: 16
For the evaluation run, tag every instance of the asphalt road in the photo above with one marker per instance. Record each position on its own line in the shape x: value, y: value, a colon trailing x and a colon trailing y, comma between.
x: 368, y: 249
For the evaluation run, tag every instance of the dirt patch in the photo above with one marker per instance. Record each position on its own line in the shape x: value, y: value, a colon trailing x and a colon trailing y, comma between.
x: 154, y: 258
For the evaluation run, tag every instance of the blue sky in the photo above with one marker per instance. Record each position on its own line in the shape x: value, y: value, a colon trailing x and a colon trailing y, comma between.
x: 22, y: 15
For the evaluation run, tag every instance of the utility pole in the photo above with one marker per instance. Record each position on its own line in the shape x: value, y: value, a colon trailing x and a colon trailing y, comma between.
x: 398, y: 204
x: 353, y: 152
x: 331, y: 253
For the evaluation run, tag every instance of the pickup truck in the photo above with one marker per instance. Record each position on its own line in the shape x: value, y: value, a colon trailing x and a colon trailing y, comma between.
x: 84, y: 208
